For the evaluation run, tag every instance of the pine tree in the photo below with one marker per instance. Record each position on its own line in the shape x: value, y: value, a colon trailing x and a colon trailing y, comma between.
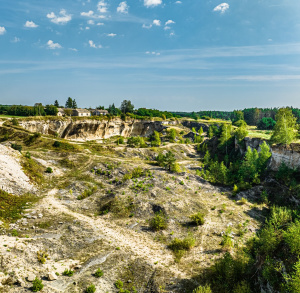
x: 200, y: 131
x: 69, y: 103
x: 285, y: 128
x: 56, y: 104
x: 263, y: 156
x: 74, y: 104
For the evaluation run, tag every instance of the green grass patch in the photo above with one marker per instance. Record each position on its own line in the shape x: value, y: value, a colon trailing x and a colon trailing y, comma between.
x: 12, y: 206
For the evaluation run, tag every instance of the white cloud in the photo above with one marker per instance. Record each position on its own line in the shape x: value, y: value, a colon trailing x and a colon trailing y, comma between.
x: 100, y: 23
x: 91, y: 22
x: 87, y: 14
x: 62, y: 19
x: 152, y: 3
x: 102, y: 6
x: 87, y: 27
x: 123, y: 7
x: 2, y: 30
x: 53, y: 46
x: 178, y: 2
x: 167, y: 28
x: 156, y: 22
x: 222, y: 7
x: 152, y: 53
x: 172, y: 34
x: 73, y: 49
x: 147, y: 26
x: 111, y: 35
x: 15, y: 40
x: 93, y: 45
x: 30, y: 24
x: 169, y: 22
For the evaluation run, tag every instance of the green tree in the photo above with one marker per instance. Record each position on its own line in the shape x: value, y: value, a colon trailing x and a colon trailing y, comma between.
x: 200, y: 131
x: 285, y: 128
x: 237, y: 115
x: 155, y: 141
x: 127, y: 106
x: 74, y: 104
x: 266, y: 123
x: 172, y: 135
x: 263, y: 156
x: 248, y: 168
x: 240, y: 133
x: 225, y: 135
x: 56, y: 104
x: 69, y: 103
x: 51, y: 110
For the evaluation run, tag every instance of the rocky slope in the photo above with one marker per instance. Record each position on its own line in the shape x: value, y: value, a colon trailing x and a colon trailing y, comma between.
x: 90, y: 216
x: 89, y: 129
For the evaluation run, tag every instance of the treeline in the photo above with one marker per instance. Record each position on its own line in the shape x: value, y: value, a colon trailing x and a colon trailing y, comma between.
x: 19, y: 110
x: 252, y: 116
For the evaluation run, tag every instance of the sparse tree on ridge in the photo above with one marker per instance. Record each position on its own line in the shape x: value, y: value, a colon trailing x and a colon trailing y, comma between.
x: 285, y: 128
x: 127, y: 107
x: 69, y: 103
x: 56, y: 104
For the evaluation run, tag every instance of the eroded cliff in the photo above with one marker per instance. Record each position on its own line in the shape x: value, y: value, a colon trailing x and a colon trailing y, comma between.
x: 91, y: 129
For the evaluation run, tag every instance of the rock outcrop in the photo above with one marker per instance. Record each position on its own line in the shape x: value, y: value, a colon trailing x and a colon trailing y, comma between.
x: 287, y: 154
x: 91, y: 129
x: 190, y: 124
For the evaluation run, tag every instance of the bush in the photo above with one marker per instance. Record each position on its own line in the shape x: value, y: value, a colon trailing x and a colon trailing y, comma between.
x: 180, y: 246
x: 91, y: 289
x: 120, y: 140
x: 242, y: 287
x: 279, y: 216
x: 16, y: 147
x: 98, y: 273
x: 119, y: 284
x: 14, y: 122
x: 203, y: 289
x: 158, y: 222
x: 197, y: 219
x: 42, y: 256
x: 227, y: 242
x: 68, y: 273
x: 86, y: 193
x: 37, y: 285
x: 292, y: 237
x: 49, y: 170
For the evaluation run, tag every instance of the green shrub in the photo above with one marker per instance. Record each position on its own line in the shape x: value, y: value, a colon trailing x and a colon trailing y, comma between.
x: 294, y: 282
x: 119, y: 284
x: 98, y: 273
x: 158, y: 222
x: 227, y: 242
x: 16, y: 147
x: 42, y: 256
x: 292, y: 237
x: 242, y: 287
x: 180, y: 246
x: 49, y: 170
x: 86, y: 193
x: 279, y: 216
x: 91, y: 289
x: 68, y: 273
x: 14, y: 122
x: 202, y: 289
x: 28, y: 155
x: 197, y: 219
x: 120, y: 140
x: 37, y: 285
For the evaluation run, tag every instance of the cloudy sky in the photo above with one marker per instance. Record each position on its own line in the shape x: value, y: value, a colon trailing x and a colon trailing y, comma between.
x: 185, y: 55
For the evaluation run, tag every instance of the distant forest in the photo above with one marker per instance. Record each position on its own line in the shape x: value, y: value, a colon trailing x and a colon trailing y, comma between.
x: 252, y: 116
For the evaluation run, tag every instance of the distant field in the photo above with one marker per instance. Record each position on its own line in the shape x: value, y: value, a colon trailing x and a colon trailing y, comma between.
x: 253, y: 132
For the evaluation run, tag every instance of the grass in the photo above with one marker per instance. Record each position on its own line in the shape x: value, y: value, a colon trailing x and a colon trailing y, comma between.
x: 33, y: 170
x: 12, y: 206
x: 180, y: 246
x: 10, y: 116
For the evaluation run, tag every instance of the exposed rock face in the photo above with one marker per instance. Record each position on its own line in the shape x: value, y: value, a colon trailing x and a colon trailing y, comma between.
x: 195, y: 124
x: 93, y: 129
x: 12, y: 177
x: 290, y: 154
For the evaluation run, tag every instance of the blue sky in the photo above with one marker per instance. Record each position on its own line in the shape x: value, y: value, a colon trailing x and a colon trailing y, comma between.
x: 186, y: 55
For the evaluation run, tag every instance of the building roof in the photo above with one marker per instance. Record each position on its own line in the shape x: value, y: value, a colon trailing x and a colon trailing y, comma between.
x: 82, y: 110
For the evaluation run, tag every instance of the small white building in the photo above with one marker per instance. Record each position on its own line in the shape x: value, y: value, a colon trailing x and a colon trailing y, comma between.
x: 81, y: 112
x: 98, y: 112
